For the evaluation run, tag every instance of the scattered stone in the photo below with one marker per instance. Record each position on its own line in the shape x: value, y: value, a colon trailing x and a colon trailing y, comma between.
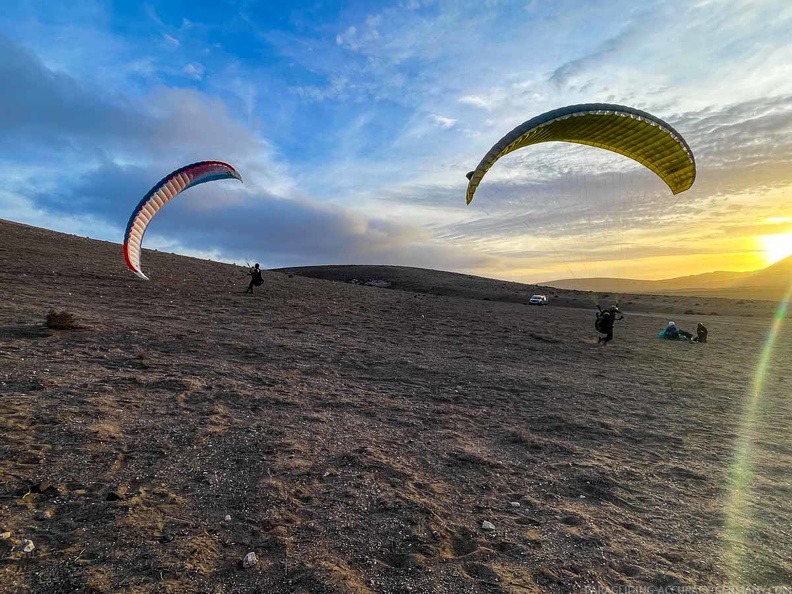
x: 515, y: 504
x: 250, y: 560
x: 280, y: 531
x: 27, y: 546
x: 166, y: 537
x: 485, y: 525
x: 227, y: 518
x: 370, y: 283
x: 42, y: 487
x: 45, y: 514
x: 6, y: 535
x: 630, y: 570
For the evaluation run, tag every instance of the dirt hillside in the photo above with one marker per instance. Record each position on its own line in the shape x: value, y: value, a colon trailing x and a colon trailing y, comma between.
x: 357, y: 439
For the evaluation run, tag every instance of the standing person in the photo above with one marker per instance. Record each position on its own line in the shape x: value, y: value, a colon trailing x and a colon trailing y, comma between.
x: 604, y: 323
x: 255, y: 278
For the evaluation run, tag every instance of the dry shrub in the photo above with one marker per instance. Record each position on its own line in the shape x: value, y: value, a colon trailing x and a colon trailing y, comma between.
x: 61, y: 320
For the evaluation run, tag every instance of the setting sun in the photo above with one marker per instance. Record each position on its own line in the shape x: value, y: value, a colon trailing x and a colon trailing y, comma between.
x: 777, y: 247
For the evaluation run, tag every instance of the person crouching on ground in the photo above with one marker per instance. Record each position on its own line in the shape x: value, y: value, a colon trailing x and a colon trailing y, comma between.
x: 701, y: 333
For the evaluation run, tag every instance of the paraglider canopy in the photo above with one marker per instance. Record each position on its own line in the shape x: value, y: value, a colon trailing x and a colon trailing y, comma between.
x: 624, y: 130
x: 165, y: 190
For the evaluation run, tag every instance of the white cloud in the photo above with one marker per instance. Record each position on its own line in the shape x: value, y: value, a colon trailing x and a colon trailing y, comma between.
x: 170, y: 40
x: 475, y: 101
x: 443, y: 121
x: 348, y: 38
x: 194, y: 70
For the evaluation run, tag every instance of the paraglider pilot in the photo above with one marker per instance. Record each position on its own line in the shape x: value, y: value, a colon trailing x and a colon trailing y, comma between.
x: 672, y: 332
x: 604, y: 322
x: 255, y: 278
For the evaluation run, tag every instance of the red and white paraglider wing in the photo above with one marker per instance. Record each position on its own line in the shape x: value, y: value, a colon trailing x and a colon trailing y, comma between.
x: 164, y: 191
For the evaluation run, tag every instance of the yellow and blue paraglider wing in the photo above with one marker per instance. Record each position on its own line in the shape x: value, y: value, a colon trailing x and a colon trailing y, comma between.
x: 633, y: 133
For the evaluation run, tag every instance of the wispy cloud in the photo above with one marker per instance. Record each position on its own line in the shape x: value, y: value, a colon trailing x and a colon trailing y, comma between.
x: 194, y: 71
x: 171, y: 40
x: 476, y: 101
x: 443, y: 121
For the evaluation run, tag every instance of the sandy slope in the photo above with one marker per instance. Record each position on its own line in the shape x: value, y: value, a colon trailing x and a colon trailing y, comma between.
x: 358, y: 437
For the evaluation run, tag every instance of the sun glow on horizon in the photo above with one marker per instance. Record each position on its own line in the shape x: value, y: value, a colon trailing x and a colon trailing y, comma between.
x: 776, y: 247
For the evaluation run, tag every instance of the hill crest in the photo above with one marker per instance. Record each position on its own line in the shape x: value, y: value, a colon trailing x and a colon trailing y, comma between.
x: 769, y: 284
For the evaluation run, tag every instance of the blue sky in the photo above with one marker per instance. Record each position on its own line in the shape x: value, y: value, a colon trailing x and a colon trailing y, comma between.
x: 353, y: 125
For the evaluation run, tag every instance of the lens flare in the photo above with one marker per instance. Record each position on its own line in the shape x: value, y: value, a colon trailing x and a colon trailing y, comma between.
x: 737, y: 506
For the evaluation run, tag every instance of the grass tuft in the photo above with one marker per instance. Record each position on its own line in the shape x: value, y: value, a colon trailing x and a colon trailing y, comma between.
x: 61, y: 320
